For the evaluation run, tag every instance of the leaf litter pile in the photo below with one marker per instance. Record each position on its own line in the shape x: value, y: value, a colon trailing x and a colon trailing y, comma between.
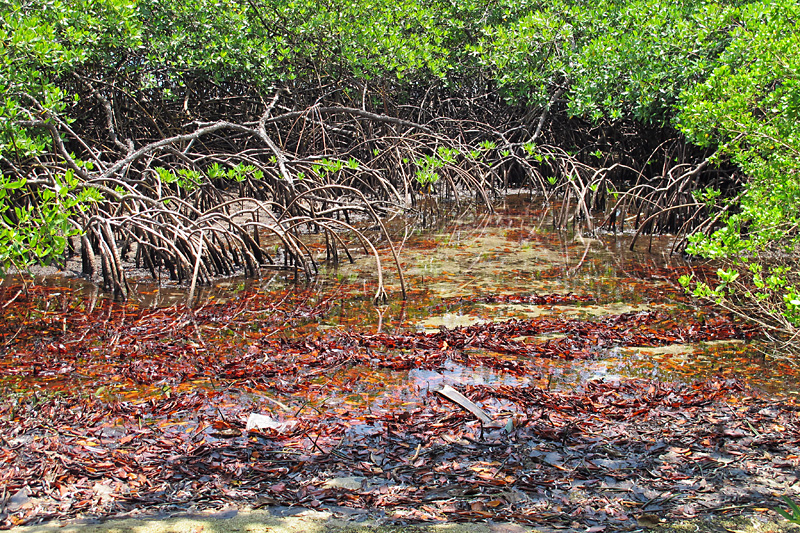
x: 113, y: 410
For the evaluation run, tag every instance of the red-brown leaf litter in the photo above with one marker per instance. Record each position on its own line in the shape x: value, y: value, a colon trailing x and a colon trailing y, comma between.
x: 111, y: 409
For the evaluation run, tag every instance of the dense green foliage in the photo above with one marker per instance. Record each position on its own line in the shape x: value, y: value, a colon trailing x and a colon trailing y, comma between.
x: 620, y: 60
x: 724, y: 73
x: 749, y: 107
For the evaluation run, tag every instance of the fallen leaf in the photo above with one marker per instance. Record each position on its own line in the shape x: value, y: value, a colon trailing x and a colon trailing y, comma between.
x: 259, y: 422
x: 465, y: 403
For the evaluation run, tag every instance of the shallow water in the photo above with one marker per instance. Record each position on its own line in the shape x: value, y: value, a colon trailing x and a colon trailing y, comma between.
x: 514, y: 252
x: 450, y: 273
